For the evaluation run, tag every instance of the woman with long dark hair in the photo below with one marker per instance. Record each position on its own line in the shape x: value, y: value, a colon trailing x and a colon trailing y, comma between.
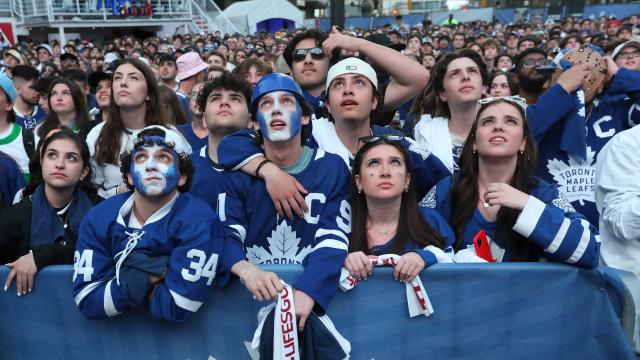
x: 67, y: 107
x: 448, y: 104
x: 41, y: 229
x: 385, y: 215
x: 135, y: 104
x: 501, y: 84
x: 524, y: 218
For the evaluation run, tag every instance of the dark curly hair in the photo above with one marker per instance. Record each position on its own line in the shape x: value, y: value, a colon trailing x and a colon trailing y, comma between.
x: 185, y: 164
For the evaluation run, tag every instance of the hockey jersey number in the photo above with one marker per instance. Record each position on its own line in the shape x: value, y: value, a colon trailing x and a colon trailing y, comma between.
x: 200, y: 266
x: 82, y: 265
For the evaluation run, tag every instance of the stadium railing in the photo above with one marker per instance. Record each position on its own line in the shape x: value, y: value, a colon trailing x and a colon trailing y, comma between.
x: 482, y: 311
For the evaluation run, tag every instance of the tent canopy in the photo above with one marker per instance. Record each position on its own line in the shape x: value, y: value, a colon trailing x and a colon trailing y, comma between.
x: 245, y: 15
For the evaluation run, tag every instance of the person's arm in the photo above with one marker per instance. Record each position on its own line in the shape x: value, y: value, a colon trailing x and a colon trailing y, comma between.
x: 322, y: 266
x: 625, y: 82
x: 193, y: 265
x: 617, y: 191
x: 432, y: 254
x: 408, y: 77
x: 95, y: 288
x: 263, y: 285
x: 239, y: 151
x: 556, y: 102
x: 551, y: 223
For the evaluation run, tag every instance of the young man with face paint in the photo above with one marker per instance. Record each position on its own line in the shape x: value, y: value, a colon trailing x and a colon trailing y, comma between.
x: 258, y: 235
x: 351, y: 98
x: 154, y: 246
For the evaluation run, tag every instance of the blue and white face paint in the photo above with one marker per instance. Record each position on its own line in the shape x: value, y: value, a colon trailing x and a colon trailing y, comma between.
x: 279, y: 115
x: 154, y: 170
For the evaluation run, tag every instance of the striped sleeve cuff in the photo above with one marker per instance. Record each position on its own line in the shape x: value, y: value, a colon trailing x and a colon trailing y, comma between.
x: 528, y: 218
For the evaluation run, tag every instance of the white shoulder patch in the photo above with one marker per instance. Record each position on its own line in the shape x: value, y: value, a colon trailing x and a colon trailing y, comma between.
x: 429, y: 200
x: 563, y: 203
x: 319, y: 154
x: 419, y: 149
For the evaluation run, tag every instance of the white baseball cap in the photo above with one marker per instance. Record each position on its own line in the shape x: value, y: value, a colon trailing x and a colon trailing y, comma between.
x: 616, y: 51
x: 172, y: 138
x: 352, y: 65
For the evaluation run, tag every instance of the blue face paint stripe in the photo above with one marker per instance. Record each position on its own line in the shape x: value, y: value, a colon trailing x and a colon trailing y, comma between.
x: 295, y: 122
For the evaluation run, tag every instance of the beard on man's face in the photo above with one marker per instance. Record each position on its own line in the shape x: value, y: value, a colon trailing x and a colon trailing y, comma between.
x: 532, y: 82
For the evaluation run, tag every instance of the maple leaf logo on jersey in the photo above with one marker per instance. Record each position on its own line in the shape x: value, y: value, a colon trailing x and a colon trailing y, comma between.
x: 581, y: 109
x: 283, y: 248
x: 419, y: 149
x: 576, y: 178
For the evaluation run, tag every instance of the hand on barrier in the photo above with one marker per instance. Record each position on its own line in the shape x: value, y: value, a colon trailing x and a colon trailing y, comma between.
x: 358, y: 265
x: 285, y: 192
x: 409, y: 266
x: 264, y: 285
x: 23, y: 270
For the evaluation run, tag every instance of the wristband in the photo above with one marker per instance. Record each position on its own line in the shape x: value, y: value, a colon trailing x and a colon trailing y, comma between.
x: 263, y: 163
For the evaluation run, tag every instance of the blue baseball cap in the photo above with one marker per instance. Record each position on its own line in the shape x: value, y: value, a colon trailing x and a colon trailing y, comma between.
x: 7, y: 86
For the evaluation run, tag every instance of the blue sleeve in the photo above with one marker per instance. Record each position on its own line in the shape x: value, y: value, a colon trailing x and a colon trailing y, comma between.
x: 564, y: 234
x: 431, y: 254
x: 235, y: 218
x: 627, y: 82
x: 437, y: 221
x: 551, y: 108
x: 237, y: 149
x: 11, y: 180
x: 95, y: 288
x: 427, y: 169
x: 322, y: 266
x: 192, y: 268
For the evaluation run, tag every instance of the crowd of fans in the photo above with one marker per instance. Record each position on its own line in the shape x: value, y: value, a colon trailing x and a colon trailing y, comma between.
x: 138, y: 159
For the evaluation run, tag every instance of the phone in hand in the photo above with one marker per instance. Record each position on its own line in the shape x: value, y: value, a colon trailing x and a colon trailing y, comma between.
x: 481, y: 245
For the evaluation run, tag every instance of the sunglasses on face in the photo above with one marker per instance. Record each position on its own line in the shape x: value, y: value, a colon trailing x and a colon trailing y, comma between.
x: 529, y: 63
x: 301, y: 54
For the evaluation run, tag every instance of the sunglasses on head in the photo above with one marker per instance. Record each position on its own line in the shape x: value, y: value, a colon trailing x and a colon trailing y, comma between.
x: 301, y: 54
x: 516, y: 100
x: 372, y: 139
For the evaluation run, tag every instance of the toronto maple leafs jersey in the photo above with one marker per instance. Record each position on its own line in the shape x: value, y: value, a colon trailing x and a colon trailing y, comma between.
x: 431, y: 255
x: 548, y: 220
x: 239, y: 148
x: 207, y: 179
x: 318, y: 241
x: 610, y: 114
x: 113, y: 258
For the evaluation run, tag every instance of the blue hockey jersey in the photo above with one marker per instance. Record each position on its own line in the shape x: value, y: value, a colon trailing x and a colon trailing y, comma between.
x: 430, y: 254
x: 239, y: 148
x: 113, y: 261
x: 610, y: 114
x: 548, y: 220
x: 207, y: 180
x: 318, y: 241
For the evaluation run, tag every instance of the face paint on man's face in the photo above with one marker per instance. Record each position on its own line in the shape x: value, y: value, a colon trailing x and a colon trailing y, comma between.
x: 277, y: 121
x: 154, y: 170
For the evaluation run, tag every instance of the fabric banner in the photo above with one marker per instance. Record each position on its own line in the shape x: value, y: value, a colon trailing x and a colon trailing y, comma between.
x: 483, y: 311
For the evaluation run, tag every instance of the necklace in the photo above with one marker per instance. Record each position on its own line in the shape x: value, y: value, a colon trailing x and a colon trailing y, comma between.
x: 382, y: 232
x: 63, y: 214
